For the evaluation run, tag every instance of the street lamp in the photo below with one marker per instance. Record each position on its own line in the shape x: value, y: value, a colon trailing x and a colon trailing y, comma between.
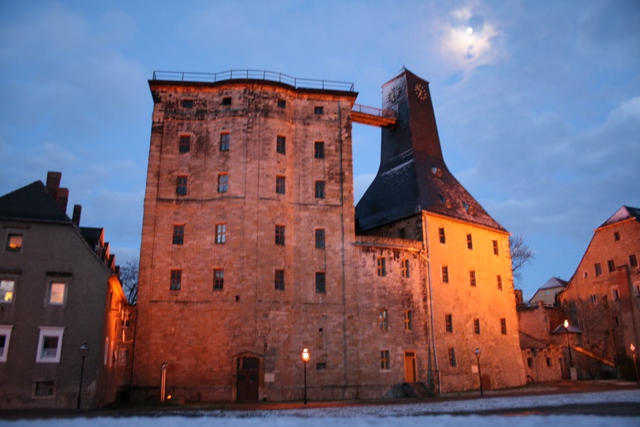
x: 477, y: 352
x: 305, y: 359
x: 633, y: 354
x: 84, y: 352
x: 566, y: 330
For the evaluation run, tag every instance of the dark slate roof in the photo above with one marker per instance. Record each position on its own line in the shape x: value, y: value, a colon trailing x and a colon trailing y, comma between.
x: 622, y: 214
x: 554, y: 282
x: 413, y: 176
x: 92, y: 235
x: 31, y: 202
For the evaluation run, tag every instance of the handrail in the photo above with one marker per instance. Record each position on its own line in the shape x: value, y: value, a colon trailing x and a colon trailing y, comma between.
x: 373, y: 111
x: 254, y: 75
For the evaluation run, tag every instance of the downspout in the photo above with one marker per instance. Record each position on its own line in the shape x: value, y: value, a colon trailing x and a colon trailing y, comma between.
x: 425, y: 242
x: 342, y: 254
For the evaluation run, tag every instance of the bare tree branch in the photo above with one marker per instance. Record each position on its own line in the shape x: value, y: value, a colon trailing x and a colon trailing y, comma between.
x: 521, y: 253
x: 129, y: 280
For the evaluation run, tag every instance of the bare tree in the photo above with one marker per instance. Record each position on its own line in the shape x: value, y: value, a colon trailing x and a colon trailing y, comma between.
x: 129, y: 280
x: 521, y: 253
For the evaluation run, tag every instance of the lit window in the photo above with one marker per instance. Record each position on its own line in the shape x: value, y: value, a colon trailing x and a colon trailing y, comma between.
x: 280, y: 235
x: 469, y: 241
x: 318, y: 151
x: 280, y: 185
x: 49, y: 345
x: 384, y: 360
x: 472, y: 278
x: 281, y: 144
x: 318, y: 110
x: 218, y: 279
x: 7, y: 289
x: 611, y: 266
x: 405, y: 268
x: 44, y: 388
x: 476, y: 326
x: 452, y: 357
x: 598, y: 268
x: 14, y: 242
x: 441, y: 235
x: 408, y: 320
x: 448, y: 323
x: 495, y: 248
x: 223, y: 183
x: 221, y: 234
x: 503, y: 326
x: 181, y: 185
x: 319, y: 189
x: 382, y: 266
x: 225, y: 141
x: 185, y: 144
x: 279, y: 280
x: 320, y: 238
x: 321, y: 285
x: 178, y: 234
x: 383, y: 320
x: 176, y: 280
x: 5, y: 336
x: 499, y: 280
x: 445, y: 274
x: 57, y: 291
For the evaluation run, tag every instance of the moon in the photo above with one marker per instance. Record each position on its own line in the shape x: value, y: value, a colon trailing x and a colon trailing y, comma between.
x: 469, y: 30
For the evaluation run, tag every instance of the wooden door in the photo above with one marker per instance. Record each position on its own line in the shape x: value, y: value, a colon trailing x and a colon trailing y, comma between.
x: 409, y: 367
x: 248, y: 373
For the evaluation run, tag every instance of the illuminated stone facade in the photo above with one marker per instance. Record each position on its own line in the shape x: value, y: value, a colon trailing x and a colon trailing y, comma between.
x: 250, y: 254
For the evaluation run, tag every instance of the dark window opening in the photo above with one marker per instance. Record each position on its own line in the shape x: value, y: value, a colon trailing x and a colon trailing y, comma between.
x: 321, y: 286
x: 280, y: 235
x: 281, y: 144
x: 187, y: 103
x: 181, y: 185
x: 282, y: 103
x: 226, y: 100
x: 178, y: 234
x: 318, y: 110
x: 176, y: 280
x: 448, y: 321
x: 185, y: 144
x: 280, y: 185
x: 318, y: 151
x: 279, y: 280
x: 441, y: 235
x: 218, y: 279
x: 320, y: 243
x: 225, y: 141
x: 319, y: 189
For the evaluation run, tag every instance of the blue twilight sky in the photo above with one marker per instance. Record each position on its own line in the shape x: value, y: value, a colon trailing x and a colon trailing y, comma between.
x: 537, y: 103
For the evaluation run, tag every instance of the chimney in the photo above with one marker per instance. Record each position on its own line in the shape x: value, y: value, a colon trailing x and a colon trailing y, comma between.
x: 62, y: 198
x: 77, y: 211
x: 53, y: 183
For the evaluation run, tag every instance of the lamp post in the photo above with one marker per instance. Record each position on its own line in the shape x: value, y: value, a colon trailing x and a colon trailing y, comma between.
x: 84, y: 351
x: 477, y: 352
x: 566, y: 330
x: 305, y: 359
x: 633, y: 354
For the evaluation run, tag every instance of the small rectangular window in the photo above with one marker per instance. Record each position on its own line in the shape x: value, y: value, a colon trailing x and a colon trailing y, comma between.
x: 384, y: 360
x: 282, y: 103
x: 319, y: 189
x: 408, y: 320
x: 472, y: 278
x: 598, y: 268
x: 530, y: 362
x: 185, y: 144
x: 321, y: 286
x: 221, y: 234
x: 499, y: 281
x: 176, y: 280
x: 187, y: 103
x: 181, y: 185
x: 49, y: 345
x: 383, y: 320
x: 178, y: 234
x: 495, y: 248
x: 402, y: 233
x: 281, y: 144
x: 405, y: 268
x: 318, y: 150
x: 44, y: 388
x: 225, y: 141
x: 322, y: 366
x: 616, y: 236
x: 5, y: 337
x: 226, y: 100
x: 7, y: 289
x: 381, y: 266
x: 223, y: 183
x: 14, y: 242
x: 280, y: 235
x: 549, y: 362
x: 503, y: 326
x: 593, y: 299
x: 616, y: 294
x: 280, y: 185
x: 218, y: 279
x: 452, y: 357
x: 441, y: 235
x: 445, y: 274
x: 57, y: 293
x: 318, y: 110
x: 448, y: 323
x: 469, y: 241
x: 633, y: 261
x: 320, y: 238
x: 611, y: 266
x: 476, y: 326
x: 279, y: 280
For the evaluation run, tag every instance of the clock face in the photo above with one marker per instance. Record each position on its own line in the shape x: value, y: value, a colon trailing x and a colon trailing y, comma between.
x: 393, y: 94
x: 421, y: 92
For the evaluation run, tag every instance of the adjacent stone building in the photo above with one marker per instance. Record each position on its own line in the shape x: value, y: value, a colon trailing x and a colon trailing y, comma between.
x: 59, y: 290
x: 250, y: 251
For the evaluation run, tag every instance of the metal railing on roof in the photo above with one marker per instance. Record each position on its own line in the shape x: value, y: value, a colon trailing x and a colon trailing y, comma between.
x: 373, y: 111
x: 253, y: 75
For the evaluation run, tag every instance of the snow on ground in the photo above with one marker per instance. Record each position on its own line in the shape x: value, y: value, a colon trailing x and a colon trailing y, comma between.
x: 406, y: 415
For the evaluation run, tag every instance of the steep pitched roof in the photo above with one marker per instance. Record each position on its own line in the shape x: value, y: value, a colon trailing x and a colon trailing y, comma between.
x: 554, y: 282
x: 413, y: 176
x: 622, y: 214
x: 31, y: 202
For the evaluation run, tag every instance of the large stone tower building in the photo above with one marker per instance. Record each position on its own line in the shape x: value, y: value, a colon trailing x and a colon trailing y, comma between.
x: 250, y: 253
